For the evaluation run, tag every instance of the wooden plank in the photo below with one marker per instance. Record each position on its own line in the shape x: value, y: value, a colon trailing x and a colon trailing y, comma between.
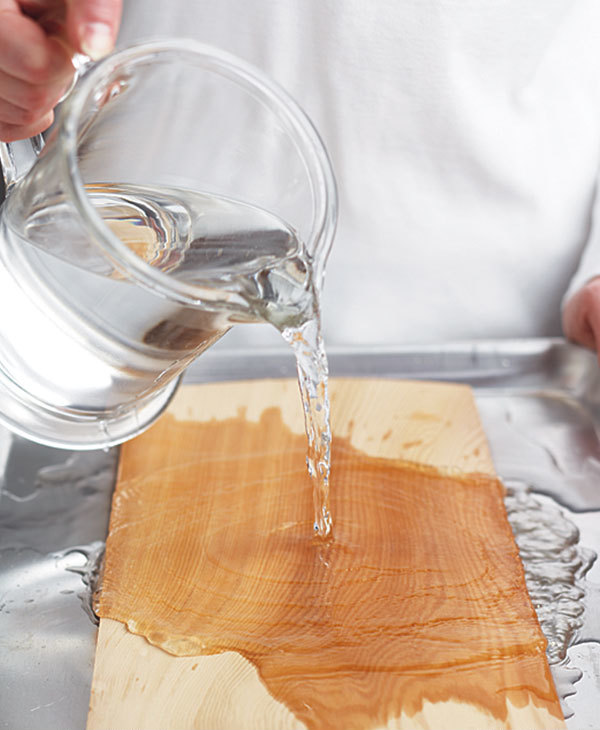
x: 137, y: 686
x: 140, y: 687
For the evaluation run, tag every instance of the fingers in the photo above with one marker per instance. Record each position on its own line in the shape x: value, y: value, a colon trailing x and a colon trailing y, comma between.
x: 50, y: 14
x: 581, y: 316
x: 37, y: 39
x: 92, y: 26
x: 16, y: 115
x: 30, y: 97
x: 34, y: 71
x: 28, y: 54
x: 12, y: 132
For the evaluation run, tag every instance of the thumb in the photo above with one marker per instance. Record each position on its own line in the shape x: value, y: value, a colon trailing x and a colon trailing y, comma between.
x: 92, y: 26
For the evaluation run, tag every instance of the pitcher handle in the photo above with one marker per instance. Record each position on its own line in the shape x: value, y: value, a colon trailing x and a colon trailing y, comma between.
x: 17, y: 158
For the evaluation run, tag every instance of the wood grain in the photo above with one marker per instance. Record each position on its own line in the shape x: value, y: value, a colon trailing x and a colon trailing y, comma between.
x: 139, y: 686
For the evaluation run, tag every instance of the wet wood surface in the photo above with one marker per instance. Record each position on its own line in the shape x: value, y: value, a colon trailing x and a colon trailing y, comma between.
x: 416, y: 615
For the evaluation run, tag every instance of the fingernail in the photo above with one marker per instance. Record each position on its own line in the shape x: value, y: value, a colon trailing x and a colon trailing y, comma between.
x: 96, y: 40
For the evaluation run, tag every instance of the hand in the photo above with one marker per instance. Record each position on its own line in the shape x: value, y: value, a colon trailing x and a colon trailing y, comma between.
x: 37, y: 41
x: 581, y: 316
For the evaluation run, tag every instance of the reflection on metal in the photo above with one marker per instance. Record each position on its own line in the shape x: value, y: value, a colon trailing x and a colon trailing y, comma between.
x: 54, y: 509
x: 540, y: 405
x: 556, y: 565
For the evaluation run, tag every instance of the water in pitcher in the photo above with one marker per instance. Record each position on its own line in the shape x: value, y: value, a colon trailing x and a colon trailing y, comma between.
x: 99, y: 336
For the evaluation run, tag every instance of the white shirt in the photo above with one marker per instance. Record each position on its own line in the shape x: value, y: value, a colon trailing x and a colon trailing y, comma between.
x: 465, y: 138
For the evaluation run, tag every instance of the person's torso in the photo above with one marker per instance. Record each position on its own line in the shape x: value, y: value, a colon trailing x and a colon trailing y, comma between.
x: 464, y: 137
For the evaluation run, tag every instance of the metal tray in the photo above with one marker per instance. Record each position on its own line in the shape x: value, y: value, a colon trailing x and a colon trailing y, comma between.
x: 540, y: 405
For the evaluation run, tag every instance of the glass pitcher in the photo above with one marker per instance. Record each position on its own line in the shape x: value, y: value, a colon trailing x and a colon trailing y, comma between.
x: 179, y: 193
